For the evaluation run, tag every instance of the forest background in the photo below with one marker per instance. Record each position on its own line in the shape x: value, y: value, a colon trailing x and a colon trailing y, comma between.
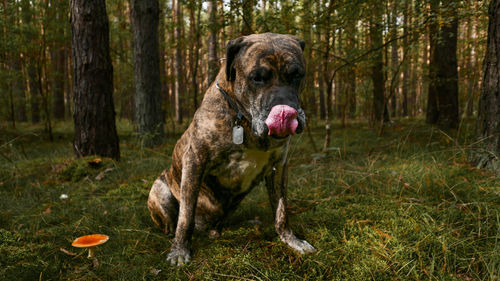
x: 345, y: 41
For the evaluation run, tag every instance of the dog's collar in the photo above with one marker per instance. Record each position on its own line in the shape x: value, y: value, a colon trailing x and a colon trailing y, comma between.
x: 232, y: 104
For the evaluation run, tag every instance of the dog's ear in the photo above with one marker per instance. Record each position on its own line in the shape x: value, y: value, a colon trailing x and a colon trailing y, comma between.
x: 302, y: 44
x: 232, y: 49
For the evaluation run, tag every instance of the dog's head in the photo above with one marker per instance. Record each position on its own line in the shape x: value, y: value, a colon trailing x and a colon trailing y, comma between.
x: 267, y: 72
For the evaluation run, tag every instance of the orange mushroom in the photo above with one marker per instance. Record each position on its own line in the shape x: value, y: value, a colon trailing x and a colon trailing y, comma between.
x: 90, y: 241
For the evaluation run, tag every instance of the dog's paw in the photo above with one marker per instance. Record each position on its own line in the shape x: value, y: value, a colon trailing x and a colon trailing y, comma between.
x: 301, y: 246
x: 179, y: 256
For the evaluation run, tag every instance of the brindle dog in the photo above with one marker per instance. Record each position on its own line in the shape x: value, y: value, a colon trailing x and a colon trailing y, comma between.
x: 210, y: 174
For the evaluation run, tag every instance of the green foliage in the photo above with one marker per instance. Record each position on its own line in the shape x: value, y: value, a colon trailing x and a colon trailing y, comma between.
x: 405, y: 206
x: 336, y: 33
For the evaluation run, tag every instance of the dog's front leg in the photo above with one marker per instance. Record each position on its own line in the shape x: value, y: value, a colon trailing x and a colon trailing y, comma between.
x: 276, y: 184
x: 192, y: 171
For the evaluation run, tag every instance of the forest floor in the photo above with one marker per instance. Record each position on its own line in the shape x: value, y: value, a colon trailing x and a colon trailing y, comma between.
x: 404, y: 206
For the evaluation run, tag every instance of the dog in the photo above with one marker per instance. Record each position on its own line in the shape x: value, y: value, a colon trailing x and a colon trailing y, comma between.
x: 239, y: 136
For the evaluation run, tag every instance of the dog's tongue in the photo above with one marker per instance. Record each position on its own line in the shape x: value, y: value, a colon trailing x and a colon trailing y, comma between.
x: 282, y: 120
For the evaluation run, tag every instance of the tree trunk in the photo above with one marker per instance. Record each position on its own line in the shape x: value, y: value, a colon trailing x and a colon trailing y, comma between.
x: 468, y: 69
x: 194, y: 48
x: 309, y: 93
x: 432, y: 109
x: 319, y: 69
x: 196, y: 56
x: 445, y: 57
x: 339, y: 81
x: 425, y: 70
x: 394, y: 59
x: 377, y: 69
x: 442, y: 107
x: 406, y: 66
x: 57, y: 58
x: 163, y: 68
x: 487, y: 153
x: 351, y: 31
x: 18, y: 88
x: 67, y: 82
x: 213, y: 26
x: 413, y: 61
x: 326, y: 79
x: 247, y: 7
x: 351, y: 92
x: 144, y: 16
x: 94, y: 113
x: 57, y: 62
x: 34, y: 93
x: 176, y: 9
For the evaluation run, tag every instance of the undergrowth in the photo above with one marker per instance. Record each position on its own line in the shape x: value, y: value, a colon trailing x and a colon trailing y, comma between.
x: 402, y: 206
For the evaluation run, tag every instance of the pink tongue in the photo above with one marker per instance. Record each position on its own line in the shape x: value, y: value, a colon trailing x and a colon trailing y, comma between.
x: 282, y: 120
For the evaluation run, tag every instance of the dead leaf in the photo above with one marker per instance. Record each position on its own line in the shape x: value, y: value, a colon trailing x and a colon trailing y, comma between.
x: 47, y: 211
x: 382, y: 233
x: 100, y: 176
x: 155, y: 271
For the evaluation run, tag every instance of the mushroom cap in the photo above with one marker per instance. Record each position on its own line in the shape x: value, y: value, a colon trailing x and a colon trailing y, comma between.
x: 90, y: 240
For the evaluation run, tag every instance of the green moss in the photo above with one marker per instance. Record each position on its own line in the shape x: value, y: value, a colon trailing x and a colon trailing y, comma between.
x: 403, y: 206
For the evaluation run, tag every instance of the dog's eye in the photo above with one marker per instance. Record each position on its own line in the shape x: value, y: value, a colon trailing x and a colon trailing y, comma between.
x: 262, y: 76
x: 296, y: 75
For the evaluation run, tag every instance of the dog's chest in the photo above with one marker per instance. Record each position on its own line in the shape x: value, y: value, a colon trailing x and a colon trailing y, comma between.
x: 241, y: 168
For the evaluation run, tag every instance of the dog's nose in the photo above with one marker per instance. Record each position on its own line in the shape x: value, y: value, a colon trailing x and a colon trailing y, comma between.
x: 282, y: 120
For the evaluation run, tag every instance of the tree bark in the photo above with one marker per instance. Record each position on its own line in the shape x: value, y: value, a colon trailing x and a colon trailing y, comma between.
x: 67, y: 82
x: 487, y: 153
x: 58, y: 58
x: 394, y: 58
x: 413, y: 61
x: 425, y: 69
x: 144, y: 16
x: 443, y: 70
x: 163, y: 68
x: 34, y: 93
x: 351, y: 31
x: 195, y: 7
x: 319, y: 69
x: 468, y: 70
x: 326, y: 79
x: 338, y: 98
x: 308, y: 93
x: 247, y: 7
x: 445, y: 57
x: 213, y: 26
x: 57, y: 62
x: 94, y: 113
x: 432, y: 109
x: 377, y: 69
x: 351, y: 91
x: 17, y: 86
x: 176, y: 10
x: 406, y: 66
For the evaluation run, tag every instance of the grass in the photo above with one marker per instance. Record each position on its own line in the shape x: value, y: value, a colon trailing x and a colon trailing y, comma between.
x: 404, y: 206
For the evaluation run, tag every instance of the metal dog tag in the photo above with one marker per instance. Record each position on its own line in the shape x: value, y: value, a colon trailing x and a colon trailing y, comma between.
x: 237, y: 134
